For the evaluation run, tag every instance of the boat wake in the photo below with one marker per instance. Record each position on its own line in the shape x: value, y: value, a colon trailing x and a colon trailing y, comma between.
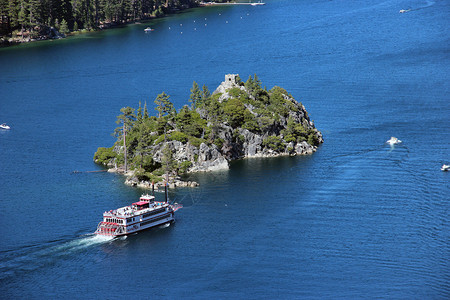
x: 83, y: 242
x: 31, y: 258
x: 419, y: 6
x: 428, y: 4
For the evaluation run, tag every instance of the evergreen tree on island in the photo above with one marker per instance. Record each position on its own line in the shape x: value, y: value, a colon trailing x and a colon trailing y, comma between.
x: 238, y: 120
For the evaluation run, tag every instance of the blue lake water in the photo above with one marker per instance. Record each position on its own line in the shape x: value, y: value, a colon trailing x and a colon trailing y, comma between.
x: 358, y: 219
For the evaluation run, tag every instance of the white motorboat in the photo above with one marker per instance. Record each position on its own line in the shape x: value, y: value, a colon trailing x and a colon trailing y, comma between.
x: 393, y: 141
x: 148, y: 29
x: 445, y: 168
x: 4, y: 126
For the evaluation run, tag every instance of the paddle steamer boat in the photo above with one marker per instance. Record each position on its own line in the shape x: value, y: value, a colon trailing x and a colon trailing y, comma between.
x: 141, y: 215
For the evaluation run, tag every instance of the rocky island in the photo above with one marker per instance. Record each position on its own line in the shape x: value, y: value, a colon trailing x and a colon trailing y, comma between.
x: 238, y: 120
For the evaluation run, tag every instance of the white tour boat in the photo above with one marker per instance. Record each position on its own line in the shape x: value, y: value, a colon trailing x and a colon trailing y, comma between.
x: 144, y: 214
x: 393, y: 141
x: 4, y: 126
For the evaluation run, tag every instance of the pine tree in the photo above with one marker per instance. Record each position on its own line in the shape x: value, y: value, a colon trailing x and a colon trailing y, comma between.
x: 145, y: 111
x: 63, y: 28
x: 139, y: 112
x: 22, y: 17
x: 127, y: 117
x: 163, y: 105
x: 196, y: 95
x: 206, y: 95
x: 13, y: 13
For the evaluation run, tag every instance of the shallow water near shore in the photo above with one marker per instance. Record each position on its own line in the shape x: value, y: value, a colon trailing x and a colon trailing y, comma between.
x: 358, y: 219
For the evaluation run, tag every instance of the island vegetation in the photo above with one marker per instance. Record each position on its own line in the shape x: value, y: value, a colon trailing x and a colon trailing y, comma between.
x: 28, y: 20
x: 239, y: 119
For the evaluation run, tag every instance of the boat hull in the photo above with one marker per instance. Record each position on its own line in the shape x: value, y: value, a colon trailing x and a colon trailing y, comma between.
x: 141, y: 226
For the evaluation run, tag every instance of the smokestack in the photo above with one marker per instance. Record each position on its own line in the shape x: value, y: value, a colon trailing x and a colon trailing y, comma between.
x: 165, y: 188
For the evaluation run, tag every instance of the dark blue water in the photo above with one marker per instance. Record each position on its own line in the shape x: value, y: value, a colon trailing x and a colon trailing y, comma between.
x: 358, y: 219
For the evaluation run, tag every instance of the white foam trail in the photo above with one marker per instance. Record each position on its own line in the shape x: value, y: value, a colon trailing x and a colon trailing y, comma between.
x: 83, y: 242
x: 33, y: 258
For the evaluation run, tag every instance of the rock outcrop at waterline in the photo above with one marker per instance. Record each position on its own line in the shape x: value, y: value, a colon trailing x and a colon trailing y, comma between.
x: 239, y: 120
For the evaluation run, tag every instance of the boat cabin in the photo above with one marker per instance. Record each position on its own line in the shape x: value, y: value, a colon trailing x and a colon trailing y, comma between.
x: 140, y: 205
x: 147, y: 197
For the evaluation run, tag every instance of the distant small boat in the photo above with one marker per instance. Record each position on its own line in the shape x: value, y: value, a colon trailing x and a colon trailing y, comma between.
x: 404, y: 10
x: 148, y: 29
x: 4, y: 126
x: 445, y: 168
x: 393, y: 141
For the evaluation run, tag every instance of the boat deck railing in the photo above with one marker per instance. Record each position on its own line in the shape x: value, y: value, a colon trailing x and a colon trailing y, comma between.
x: 129, y: 211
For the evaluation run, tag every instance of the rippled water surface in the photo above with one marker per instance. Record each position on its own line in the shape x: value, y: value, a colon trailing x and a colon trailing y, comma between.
x: 358, y: 219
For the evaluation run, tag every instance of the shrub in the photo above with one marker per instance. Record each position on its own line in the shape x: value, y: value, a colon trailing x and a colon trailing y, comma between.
x: 196, y: 142
x: 265, y: 123
x: 250, y: 122
x: 159, y: 172
x: 240, y: 139
x: 235, y: 92
x: 184, y: 166
x: 147, y: 176
x: 234, y: 112
x: 218, y: 142
x: 274, y: 142
x: 312, y: 139
x: 160, y: 139
x: 178, y: 136
x: 104, y: 155
x: 149, y: 164
x: 290, y: 138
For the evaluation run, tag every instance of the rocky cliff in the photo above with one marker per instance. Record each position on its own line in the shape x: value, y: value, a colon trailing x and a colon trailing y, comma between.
x: 239, y: 120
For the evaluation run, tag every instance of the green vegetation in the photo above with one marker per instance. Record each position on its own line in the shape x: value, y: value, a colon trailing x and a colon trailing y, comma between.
x: 274, y: 142
x: 28, y: 18
x: 104, y: 155
x: 218, y: 119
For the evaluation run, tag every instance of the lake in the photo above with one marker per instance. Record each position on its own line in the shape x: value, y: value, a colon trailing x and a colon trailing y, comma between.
x: 357, y: 219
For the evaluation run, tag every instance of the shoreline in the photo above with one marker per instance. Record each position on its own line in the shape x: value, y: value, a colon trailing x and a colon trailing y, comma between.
x: 131, y: 180
x: 6, y: 41
x: 175, y: 181
x: 231, y: 3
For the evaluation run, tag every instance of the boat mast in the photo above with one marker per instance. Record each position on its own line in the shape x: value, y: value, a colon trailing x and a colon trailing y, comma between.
x: 153, y: 188
x: 167, y: 163
x: 125, y: 145
x: 165, y: 190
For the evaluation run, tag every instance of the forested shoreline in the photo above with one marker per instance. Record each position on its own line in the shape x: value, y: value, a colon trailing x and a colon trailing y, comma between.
x: 28, y: 20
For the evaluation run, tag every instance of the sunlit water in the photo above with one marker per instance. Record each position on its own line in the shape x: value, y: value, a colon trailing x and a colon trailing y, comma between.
x: 358, y: 219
